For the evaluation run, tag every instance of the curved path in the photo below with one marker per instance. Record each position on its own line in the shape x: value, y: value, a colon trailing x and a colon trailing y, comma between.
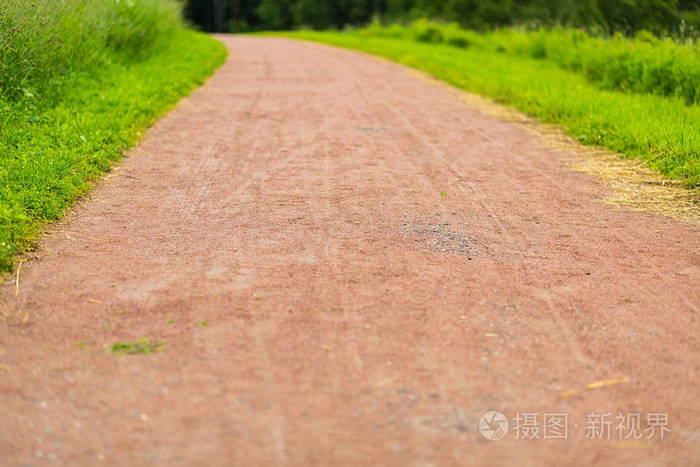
x: 348, y: 266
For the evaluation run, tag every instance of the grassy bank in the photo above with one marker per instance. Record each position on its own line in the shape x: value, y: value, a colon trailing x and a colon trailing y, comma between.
x: 643, y: 64
x: 662, y: 128
x: 79, y: 84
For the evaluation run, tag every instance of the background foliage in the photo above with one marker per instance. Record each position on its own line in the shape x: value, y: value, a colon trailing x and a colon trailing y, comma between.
x: 676, y: 17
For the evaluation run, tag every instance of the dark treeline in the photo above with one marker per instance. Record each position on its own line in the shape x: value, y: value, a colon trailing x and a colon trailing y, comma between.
x: 627, y: 16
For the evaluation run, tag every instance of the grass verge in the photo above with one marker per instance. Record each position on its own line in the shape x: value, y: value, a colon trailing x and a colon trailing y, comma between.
x: 50, y: 153
x: 664, y: 131
x: 643, y: 64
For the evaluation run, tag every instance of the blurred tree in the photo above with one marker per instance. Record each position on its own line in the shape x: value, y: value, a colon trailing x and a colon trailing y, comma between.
x: 397, y: 9
x: 628, y: 16
x: 275, y: 14
x: 632, y: 15
x: 318, y: 14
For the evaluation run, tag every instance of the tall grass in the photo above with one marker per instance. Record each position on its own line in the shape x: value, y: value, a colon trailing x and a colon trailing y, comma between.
x: 46, y: 42
x: 643, y: 64
x: 79, y: 80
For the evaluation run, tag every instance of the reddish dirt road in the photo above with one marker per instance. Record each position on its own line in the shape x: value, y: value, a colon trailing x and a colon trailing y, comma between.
x: 378, y: 264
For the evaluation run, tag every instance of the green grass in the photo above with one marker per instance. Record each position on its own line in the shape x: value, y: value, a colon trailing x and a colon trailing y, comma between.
x: 664, y: 130
x: 643, y: 64
x: 141, y: 346
x: 62, y: 126
x: 44, y: 43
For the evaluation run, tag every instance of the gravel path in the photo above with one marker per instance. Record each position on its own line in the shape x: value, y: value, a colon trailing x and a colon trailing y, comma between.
x: 347, y: 265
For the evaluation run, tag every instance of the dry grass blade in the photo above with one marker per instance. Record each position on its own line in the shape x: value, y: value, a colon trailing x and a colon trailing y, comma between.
x: 19, y: 268
x: 593, y: 385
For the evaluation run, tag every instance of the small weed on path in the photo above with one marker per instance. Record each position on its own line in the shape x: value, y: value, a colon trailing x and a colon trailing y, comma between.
x: 141, y: 346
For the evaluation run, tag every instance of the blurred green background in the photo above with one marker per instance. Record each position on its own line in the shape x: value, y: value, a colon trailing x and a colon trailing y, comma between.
x: 662, y: 17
